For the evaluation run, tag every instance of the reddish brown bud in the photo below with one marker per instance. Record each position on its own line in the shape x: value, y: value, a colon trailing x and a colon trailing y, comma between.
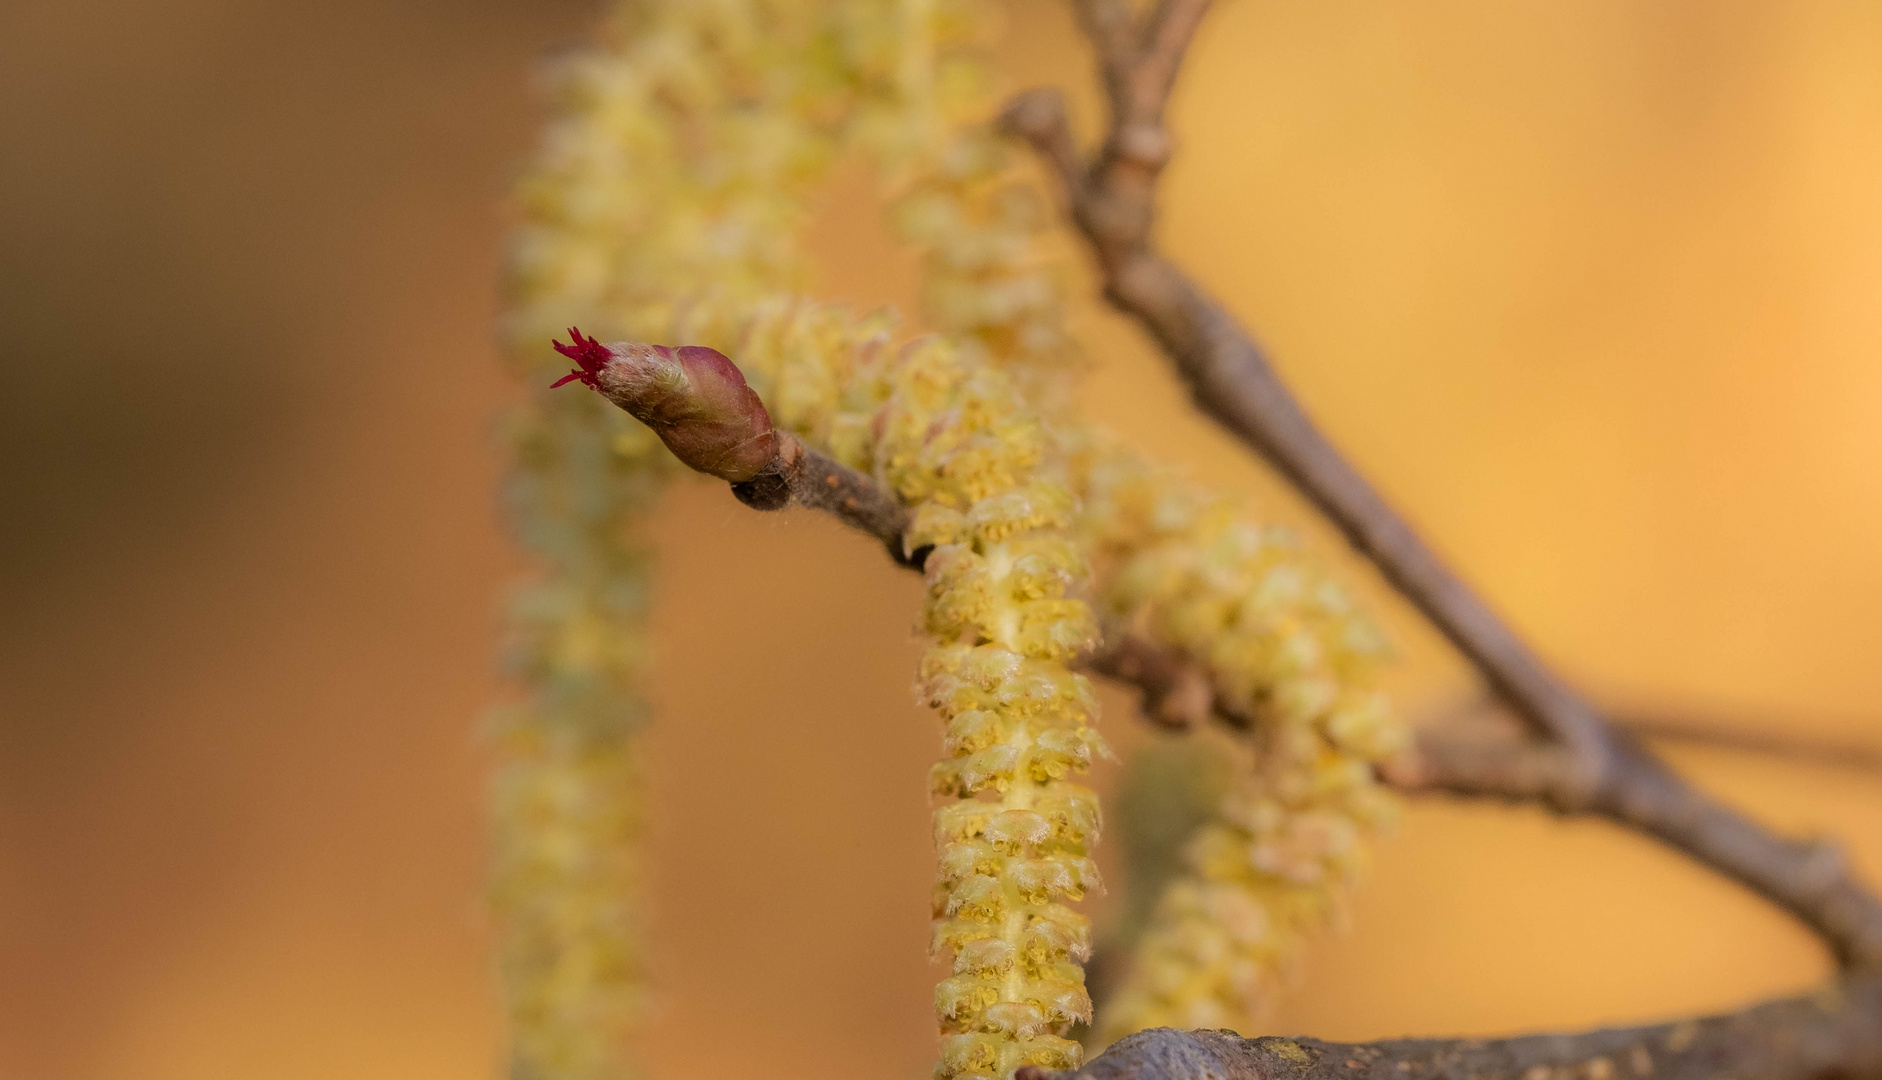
x: 694, y: 398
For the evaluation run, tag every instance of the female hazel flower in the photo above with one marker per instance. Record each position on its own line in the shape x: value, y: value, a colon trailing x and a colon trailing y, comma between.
x: 691, y: 396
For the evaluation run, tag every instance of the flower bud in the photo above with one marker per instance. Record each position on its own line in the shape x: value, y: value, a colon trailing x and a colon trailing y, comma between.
x: 694, y: 398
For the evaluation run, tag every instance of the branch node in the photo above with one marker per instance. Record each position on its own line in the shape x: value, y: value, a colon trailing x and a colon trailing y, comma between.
x: 1144, y: 144
x: 1038, y: 117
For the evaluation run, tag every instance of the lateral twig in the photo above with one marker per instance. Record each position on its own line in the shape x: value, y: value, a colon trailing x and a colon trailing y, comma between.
x: 1787, y: 746
x: 808, y: 477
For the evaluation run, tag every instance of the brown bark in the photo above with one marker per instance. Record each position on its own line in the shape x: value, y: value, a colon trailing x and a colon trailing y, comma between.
x: 1788, y: 746
x: 807, y: 477
x: 1835, y: 1033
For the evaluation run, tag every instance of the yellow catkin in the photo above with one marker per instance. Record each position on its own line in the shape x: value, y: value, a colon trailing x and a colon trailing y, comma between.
x: 663, y: 205
x: 951, y: 436
x: 988, y: 276
x: 958, y: 444
x: 1293, y: 653
x: 1014, y: 833
x: 971, y: 202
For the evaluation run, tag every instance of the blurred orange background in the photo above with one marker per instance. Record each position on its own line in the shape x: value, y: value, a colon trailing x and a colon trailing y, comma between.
x: 1594, y: 291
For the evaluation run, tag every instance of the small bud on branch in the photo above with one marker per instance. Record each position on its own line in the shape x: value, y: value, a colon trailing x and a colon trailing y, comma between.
x: 694, y: 398
x: 699, y: 404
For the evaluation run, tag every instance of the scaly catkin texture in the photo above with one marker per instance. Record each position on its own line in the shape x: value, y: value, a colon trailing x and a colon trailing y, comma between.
x: 663, y: 204
x: 950, y: 435
x: 989, y: 277
x: 1294, y: 657
x: 971, y: 201
x: 1014, y: 833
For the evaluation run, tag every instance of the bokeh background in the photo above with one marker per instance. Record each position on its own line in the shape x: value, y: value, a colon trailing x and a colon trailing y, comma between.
x: 1594, y: 291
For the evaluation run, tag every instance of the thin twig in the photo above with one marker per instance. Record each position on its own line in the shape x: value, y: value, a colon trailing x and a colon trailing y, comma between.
x: 1801, y: 748
x: 1788, y: 746
x: 1593, y: 768
x: 807, y: 477
x: 1232, y: 382
x: 1176, y: 693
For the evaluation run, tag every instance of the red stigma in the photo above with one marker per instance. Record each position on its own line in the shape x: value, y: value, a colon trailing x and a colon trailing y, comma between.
x: 592, y: 355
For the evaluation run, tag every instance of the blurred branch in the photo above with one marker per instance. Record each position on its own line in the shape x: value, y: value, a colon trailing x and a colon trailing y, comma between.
x: 1786, y: 746
x: 807, y: 477
x: 1176, y: 693
x: 1835, y: 1033
x: 1111, y: 201
x: 1810, y: 879
x: 1586, y: 766
x: 1783, y: 745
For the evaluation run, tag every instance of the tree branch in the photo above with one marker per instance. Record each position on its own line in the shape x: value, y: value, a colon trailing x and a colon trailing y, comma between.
x: 1810, y: 879
x: 807, y: 477
x: 1589, y: 767
x: 1835, y: 1033
x: 1176, y: 693
x: 1787, y: 746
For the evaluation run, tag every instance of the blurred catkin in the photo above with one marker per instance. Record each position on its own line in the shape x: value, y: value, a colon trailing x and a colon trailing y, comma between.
x: 664, y: 204
x: 1287, y: 651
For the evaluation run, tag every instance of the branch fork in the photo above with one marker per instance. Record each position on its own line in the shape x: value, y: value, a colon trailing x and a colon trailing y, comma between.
x: 1577, y: 763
